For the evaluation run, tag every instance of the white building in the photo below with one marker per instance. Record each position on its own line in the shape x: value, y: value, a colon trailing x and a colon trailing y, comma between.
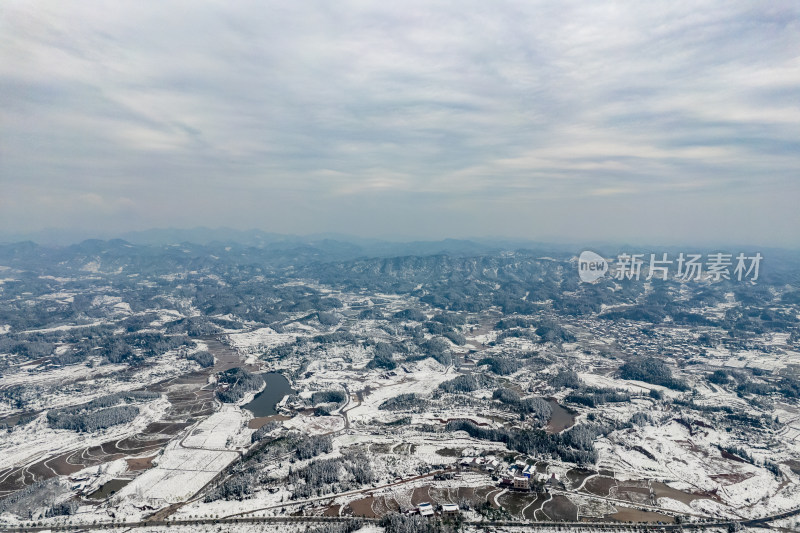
x: 425, y: 509
x: 449, y: 509
x: 521, y: 482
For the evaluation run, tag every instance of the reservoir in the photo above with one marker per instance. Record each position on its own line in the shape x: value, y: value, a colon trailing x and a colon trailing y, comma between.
x: 264, y: 402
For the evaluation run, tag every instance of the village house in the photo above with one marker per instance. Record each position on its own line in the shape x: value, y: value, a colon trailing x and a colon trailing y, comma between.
x: 521, y: 483
x: 425, y: 509
x: 449, y: 509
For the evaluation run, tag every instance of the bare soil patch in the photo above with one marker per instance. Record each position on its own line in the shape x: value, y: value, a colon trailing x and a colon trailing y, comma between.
x: 626, y: 514
x: 732, y: 479
x: 600, y: 485
x: 333, y: 510
x: 662, y: 490
x: 420, y: 495
x: 576, y: 476
x: 363, y: 507
x: 140, y: 463
x: 259, y: 421
x: 560, y: 508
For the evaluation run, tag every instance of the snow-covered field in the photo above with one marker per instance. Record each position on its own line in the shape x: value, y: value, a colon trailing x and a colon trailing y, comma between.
x: 187, y: 464
x: 179, y: 474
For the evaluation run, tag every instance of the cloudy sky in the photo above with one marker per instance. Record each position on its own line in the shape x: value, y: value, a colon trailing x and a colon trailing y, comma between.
x: 570, y: 121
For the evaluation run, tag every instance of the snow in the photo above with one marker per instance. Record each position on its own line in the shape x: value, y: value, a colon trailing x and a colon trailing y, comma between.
x: 693, y: 459
x: 67, y: 327
x: 215, y: 431
x: 315, y: 425
x: 260, y: 338
x: 189, y: 463
x: 598, y: 380
x: 92, y: 266
x: 181, y: 472
x: 722, y: 357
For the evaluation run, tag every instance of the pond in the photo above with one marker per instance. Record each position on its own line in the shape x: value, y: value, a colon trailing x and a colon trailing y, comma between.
x: 561, y: 418
x: 108, y: 489
x: 265, y: 401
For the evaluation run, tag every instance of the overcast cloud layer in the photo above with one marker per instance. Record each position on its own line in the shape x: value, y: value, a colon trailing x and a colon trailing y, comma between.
x: 641, y: 121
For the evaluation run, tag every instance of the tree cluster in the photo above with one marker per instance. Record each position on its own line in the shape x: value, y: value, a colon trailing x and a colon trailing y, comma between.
x: 404, y: 402
x: 414, y: 315
x: 566, y: 379
x: 263, y: 431
x: 314, y: 445
x: 203, y: 358
x: 466, y: 383
x: 100, y: 413
x: 401, y: 523
x: 382, y: 357
x: 67, y: 508
x: 502, y: 366
x: 438, y: 349
x: 573, y: 445
x: 328, y: 396
x: 594, y: 396
x: 233, y: 384
x: 348, y: 527
x: 535, y: 407
x: 87, y: 421
x: 325, y: 476
x: 651, y: 370
x: 27, y: 500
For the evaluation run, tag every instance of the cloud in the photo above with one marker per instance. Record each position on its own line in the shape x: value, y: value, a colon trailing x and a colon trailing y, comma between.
x: 280, y: 115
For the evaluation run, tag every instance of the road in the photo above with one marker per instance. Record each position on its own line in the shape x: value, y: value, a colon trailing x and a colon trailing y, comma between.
x: 758, y: 522
x: 350, y: 493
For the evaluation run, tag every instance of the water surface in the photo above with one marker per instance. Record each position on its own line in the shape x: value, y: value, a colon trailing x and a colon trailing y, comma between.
x: 561, y: 418
x: 109, y: 488
x: 265, y: 401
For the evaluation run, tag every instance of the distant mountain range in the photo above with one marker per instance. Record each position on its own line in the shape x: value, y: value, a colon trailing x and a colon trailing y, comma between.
x: 338, y: 245
x: 281, y: 249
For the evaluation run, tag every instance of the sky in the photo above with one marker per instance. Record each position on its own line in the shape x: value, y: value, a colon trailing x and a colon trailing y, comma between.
x: 655, y: 122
